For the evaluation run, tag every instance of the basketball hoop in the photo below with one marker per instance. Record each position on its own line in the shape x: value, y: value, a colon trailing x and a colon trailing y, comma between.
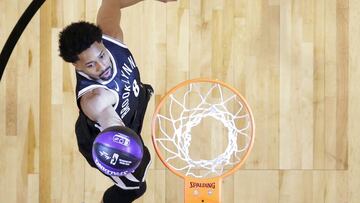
x: 184, y: 108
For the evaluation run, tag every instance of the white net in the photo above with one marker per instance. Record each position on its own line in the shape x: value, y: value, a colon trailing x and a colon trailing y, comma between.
x: 176, y: 123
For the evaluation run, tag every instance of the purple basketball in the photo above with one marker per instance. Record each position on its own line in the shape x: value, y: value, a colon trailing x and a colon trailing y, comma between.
x: 117, y: 151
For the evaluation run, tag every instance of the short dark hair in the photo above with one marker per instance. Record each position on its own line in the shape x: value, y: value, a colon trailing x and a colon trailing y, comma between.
x: 77, y: 37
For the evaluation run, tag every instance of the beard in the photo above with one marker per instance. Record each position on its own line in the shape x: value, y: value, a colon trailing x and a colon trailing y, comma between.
x: 106, y: 74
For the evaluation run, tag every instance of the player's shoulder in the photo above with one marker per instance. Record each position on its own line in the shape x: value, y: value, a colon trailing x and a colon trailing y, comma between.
x: 97, y: 96
x: 95, y: 93
x: 107, y: 40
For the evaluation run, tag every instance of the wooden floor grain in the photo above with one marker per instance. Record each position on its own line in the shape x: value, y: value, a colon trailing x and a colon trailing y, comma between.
x: 296, y: 62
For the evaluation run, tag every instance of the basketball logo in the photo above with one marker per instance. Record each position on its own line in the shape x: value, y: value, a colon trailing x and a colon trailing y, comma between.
x: 121, y: 139
x: 117, y: 151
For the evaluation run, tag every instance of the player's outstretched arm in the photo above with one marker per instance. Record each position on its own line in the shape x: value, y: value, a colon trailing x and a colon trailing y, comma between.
x: 109, y: 15
x: 98, y: 106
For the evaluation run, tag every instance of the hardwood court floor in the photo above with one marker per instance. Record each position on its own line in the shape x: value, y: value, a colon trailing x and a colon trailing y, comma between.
x: 296, y: 62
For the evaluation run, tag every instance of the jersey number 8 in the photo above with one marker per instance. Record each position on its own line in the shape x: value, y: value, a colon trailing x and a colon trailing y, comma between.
x: 135, y: 88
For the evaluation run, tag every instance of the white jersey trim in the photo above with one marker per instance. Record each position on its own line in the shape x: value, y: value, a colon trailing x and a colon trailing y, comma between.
x: 131, y: 177
x: 146, y: 170
x: 122, y: 185
x: 91, y: 87
x: 84, y: 75
x: 115, y: 41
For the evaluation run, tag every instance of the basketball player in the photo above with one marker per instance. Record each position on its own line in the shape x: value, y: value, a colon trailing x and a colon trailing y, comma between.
x: 109, y: 91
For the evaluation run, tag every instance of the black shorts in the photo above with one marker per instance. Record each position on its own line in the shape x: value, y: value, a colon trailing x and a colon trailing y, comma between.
x: 126, y: 188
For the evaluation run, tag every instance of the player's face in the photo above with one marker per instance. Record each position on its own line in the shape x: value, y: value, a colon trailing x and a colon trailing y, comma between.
x: 95, y: 62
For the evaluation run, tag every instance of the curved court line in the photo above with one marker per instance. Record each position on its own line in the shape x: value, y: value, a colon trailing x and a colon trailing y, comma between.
x: 16, y: 33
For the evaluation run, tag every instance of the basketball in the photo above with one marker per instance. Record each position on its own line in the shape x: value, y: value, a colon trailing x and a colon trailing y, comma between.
x: 117, y: 151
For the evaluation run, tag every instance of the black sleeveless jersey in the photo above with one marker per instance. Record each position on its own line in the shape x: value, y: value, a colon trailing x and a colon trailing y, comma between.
x: 125, y: 82
x: 132, y: 99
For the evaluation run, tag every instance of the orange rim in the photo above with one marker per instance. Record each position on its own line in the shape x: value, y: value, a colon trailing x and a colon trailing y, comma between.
x: 202, y: 80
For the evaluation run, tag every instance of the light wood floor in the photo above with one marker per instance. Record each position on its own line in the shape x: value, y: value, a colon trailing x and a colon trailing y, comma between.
x: 296, y: 62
